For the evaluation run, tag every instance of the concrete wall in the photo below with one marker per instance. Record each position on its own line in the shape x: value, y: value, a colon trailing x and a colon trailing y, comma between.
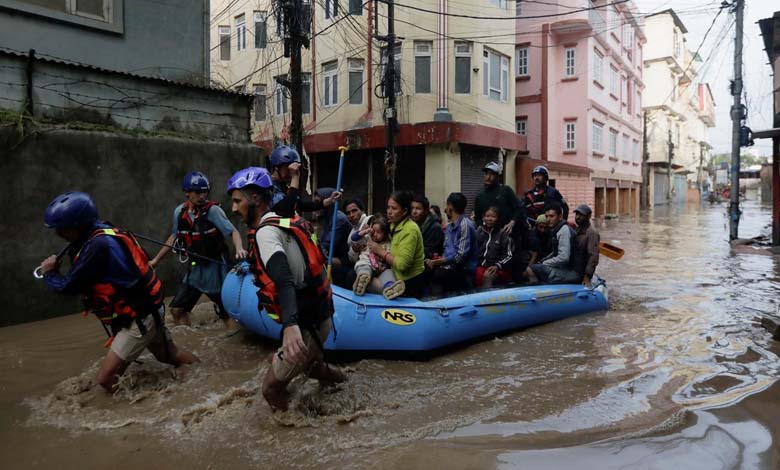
x: 163, y: 38
x: 66, y: 93
x: 135, y: 182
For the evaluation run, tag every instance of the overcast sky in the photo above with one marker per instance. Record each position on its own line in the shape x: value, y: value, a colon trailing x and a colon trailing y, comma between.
x: 718, y: 69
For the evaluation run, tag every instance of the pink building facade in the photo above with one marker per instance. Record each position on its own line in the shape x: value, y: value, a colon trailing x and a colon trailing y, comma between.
x: 578, y: 100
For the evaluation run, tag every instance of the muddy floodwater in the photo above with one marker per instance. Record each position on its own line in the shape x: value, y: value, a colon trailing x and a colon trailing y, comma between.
x: 677, y: 374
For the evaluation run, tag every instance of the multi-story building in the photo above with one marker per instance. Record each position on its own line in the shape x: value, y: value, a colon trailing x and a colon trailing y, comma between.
x: 679, y: 109
x: 454, y: 98
x: 578, y: 74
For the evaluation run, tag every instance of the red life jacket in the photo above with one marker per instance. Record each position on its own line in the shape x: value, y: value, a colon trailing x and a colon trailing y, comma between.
x: 199, y: 235
x: 317, y: 294
x: 116, y: 306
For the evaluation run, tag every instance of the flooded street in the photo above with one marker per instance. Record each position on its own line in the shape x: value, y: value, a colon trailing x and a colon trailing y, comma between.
x: 677, y: 374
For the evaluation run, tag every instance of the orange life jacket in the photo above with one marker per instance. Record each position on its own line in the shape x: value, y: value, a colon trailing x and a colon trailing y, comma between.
x: 116, y: 306
x: 317, y: 293
x: 198, y: 234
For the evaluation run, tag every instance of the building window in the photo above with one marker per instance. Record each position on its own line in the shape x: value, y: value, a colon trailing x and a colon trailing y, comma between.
x: 521, y: 126
x: 614, y: 81
x: 569, y: 68
x: 635, y: 153
x: 306, y: 93
x: 261, y: 30
x: 396, y: 66
x: 330, y: 77
x: 240, y: 32
x: 99, y: 14
x: 356, y: 68
x: 462, y: 67
x: 260, y: 103
x: 331, y: 9
x: 496, y: 75
x: 613, y: 138
x: 522, y: 61
x: 570, y: 136
x: 676, y: 43
x: 623, y: 89
x: 422, y: 66
x: 355, y: 7
x: 280, y: 98
x: 598, y: 137
x: 224, y: 43
x: 598, y: 66
x: 518, y: 7
x: 629, y: 95
x: 280, y: 22
x: 626, y: 147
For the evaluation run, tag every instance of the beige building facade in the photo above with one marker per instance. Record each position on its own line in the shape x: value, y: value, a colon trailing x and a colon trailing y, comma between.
x: 455, y: 98
x: 680, y: 111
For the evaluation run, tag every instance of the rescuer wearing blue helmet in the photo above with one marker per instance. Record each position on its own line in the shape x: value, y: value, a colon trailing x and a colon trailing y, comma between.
x: 111, y: 272
x: 292, y: 284
x: 201, y: 227
x: 541, y: 194
x: 285, y: 172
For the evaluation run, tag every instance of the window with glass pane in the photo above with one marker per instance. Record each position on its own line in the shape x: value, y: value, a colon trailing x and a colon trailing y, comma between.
x: 261, y: 30
x: 569, y: 66
x: 613, y: 141
x: 356, y: 68
x: 422, y: 66
x: 495, y: 76
x: 260, y: 103
x: 598, y: 136
x: 462, y: 67
x: 280, y: 99
x: 521, y: 126
x: 224, y: 42
x: 330, y: 83
x: 571, y: 142
x: 331, y: 9
x: 598, y: 66
x: 240, y: 32
x: 355, y: 7
x: 614, y: 81
x: 522, y: 61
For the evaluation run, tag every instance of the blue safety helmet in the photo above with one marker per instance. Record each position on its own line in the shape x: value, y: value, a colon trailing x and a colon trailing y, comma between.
x: 541, y: 170
x: 195, y: 181
x: 252, y: 176
x: 284, y: 155
x: 71, y: 209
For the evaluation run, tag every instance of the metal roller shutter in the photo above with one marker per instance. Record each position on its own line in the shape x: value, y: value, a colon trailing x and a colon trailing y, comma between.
x: 472, y: 159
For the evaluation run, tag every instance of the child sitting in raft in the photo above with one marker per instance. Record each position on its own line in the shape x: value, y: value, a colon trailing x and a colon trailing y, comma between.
x: 373, y: 273
x: 494, y: 248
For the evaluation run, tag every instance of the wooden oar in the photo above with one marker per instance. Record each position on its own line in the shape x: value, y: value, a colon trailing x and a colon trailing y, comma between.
x: 611, y: 251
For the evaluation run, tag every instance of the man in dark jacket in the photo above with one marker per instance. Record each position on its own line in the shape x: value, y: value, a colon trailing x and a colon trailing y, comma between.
x: 433, y: 235
x: 585, y: 252
x: 499, y: 195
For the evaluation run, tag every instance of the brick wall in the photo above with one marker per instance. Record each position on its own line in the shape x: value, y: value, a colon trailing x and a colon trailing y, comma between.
x: 576, y: 189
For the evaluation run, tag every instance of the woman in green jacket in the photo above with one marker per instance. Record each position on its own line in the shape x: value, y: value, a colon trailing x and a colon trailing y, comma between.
x: 406, y: 256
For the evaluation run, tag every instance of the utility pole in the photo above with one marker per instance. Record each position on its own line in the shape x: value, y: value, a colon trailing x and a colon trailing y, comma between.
x: 389, y: 81
x: 670, y: 146
x: 737, y: 113
x: 644, y: 195
x: 295, y: 37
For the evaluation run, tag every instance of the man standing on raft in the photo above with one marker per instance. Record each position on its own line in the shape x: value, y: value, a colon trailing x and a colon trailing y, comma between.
x: 294, y: 290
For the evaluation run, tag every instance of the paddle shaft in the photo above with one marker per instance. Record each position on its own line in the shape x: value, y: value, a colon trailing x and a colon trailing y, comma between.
x: 335, y: 210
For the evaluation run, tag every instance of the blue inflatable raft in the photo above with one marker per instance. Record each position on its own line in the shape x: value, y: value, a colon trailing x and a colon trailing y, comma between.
x: 370, y: 325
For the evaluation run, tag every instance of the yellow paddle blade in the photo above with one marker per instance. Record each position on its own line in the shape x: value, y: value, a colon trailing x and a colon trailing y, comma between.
x: 611, y: 251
